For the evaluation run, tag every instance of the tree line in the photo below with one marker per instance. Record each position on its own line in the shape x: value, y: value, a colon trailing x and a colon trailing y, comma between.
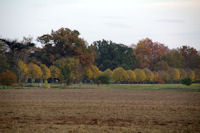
x: 66, y: 57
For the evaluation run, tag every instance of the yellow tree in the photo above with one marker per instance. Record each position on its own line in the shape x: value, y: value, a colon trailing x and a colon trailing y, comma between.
x: 131, y: 76
x: 174, y: 74
x: 149, y: 75
x: 120, y: 75
x: 22, y: 71
x: 46, y: 73
x: 183, y: 73
x: 140, y: 75
x: 92, y: 72
x: 108, y: 73
x: 34, y: 71
x: 197, y: 74
x: 88, y: 73
x: 55, y: 72
x: 95, y: 71
x: 190, y: 74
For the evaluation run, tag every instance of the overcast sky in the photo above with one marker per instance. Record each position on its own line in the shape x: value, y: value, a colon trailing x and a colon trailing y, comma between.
x: 172, y: 22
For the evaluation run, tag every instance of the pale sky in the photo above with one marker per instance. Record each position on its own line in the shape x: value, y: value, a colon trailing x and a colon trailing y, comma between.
x: 172, y: 22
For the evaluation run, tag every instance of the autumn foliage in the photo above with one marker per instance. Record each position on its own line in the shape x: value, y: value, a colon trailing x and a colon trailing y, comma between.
x: 67, y: 58
x: 8, y: 78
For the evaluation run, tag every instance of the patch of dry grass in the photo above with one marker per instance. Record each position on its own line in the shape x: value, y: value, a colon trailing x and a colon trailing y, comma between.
x: 99, y: 110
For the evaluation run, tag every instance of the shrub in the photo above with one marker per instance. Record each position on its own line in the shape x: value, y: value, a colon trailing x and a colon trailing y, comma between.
x: 8, y: 78
x: 103, y: 78
x: 187, y: 81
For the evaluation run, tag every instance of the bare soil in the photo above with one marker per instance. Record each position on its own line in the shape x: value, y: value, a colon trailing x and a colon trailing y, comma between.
x: 99, y: 110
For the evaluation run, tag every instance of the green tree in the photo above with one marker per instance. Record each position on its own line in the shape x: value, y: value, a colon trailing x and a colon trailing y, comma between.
x: 112, y: 55
x: 16, y: 51
x: 191, y: 56
x: 140, y: 75
x: 68, y: 67
x: 120, y: 75
x: 175, y: 59
x: 103, y: 79
x: 4, y: 64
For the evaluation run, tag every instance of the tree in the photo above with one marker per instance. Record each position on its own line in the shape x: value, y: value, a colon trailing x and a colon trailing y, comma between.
x: 149, y: 75
x: 143, y: 53
x: 103, y: 78
x: 140, y: 75
x: 148, y: 53
x: 4, y: 65
x: 164, y: 76
x: 112, y: 55
x: 22, y: 71
x: 197, y: 74
x: 108, y: 73
x: 16, y: 51
x: 55, y: 72
x: 190, y: 74
x: 191, y: 56
x: 186, y: 81
x: 120, y: 75
x: 88, y: 74
x: 46, y: 73
x: 158, y: 78
x: 131, y: 76
x: 63, y: 43
x: 183, y: 74
x: 69, y: 69
x: 161, y: 66
x: 174, y: 74
x: 8, y: 78
x: 34, y: 71
x: 175, y: 59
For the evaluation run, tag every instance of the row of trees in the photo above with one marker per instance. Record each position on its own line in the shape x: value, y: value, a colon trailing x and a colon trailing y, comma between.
x: 67, y: 57
x: 146, y: 54
x: 173, y: 75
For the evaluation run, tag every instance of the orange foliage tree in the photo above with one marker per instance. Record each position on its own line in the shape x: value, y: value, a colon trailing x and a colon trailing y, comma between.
x: 8, y: 78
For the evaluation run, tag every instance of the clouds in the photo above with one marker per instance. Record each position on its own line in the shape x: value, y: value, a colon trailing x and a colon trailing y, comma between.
x: 170, y: 21
x: 124, y: 21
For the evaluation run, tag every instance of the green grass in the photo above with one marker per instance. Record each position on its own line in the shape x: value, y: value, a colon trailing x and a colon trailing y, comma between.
x: 173, y: 87
x: 5, y: 87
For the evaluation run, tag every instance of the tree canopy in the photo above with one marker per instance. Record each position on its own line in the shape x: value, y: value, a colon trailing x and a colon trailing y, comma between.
x: 112, y: 55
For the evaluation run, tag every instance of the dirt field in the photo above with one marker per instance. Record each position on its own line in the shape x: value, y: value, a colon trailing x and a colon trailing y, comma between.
x: 99, y: 110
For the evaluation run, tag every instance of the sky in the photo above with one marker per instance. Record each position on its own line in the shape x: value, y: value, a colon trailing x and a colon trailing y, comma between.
x: 171, y: 22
